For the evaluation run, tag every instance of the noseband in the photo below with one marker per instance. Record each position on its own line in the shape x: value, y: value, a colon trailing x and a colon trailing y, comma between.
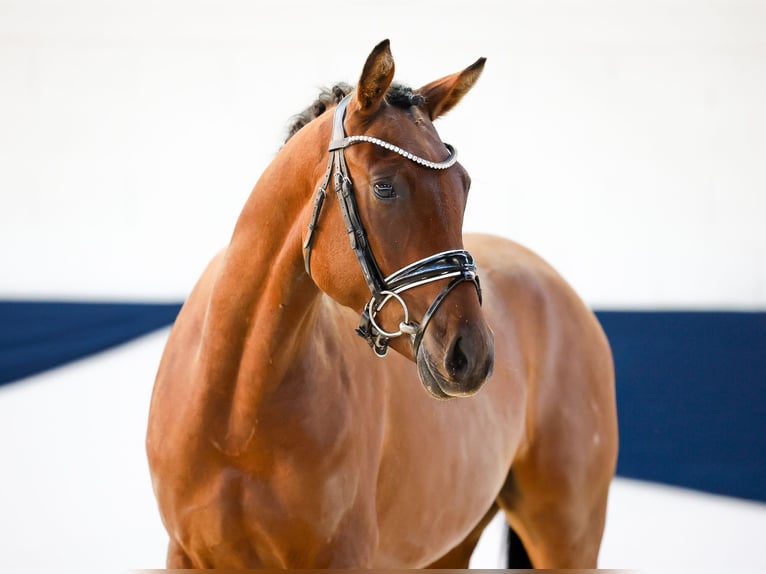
x: 457, y: 264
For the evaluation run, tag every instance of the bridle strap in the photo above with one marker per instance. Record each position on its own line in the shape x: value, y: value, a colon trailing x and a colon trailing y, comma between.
x: 314, y: 221
x: 354, y: 228
x: 344, y: 189
x: 457, y: 265
x: 435, y: 305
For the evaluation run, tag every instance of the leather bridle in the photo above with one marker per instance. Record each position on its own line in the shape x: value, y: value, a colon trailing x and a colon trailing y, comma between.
x: 456, y: 264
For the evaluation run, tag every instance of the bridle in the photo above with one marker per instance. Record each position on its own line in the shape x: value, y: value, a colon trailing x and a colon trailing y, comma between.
x: 456, y: 264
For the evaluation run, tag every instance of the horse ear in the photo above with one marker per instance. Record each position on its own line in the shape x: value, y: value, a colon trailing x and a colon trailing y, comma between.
x: 444, y: 94
x: 376, y: 77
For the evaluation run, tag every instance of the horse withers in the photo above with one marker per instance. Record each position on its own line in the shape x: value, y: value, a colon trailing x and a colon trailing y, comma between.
x: 280, y: 438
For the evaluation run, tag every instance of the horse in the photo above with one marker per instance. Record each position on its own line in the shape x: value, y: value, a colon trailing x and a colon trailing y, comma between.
x: 282, y: 431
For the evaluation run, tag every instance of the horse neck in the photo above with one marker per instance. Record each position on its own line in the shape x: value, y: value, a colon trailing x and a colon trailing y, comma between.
x: 261, y: 299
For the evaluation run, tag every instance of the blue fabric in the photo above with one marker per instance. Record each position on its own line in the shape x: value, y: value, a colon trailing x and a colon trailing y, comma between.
x: 35, y: 336
x: 691, y: 396
x: 691, y: 386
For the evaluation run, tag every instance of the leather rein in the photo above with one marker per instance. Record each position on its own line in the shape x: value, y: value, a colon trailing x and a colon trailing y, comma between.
x: 456, y: 264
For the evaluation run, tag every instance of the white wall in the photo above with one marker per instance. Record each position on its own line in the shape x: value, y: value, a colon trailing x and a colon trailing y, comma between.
x: 624, y: 141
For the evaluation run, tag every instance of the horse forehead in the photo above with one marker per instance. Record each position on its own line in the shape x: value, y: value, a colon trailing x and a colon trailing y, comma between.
x: 407, y: 125
x: 412, y: 131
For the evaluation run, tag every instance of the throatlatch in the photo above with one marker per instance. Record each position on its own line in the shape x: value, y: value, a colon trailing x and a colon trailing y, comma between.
x: 457, y: 264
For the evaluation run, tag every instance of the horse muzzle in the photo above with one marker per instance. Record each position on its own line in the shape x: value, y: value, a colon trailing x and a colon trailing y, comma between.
x: 462, y: 367
x: 448, y: 367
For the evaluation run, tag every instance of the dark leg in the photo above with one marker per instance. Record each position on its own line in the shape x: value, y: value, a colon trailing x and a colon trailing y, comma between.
x: 517, y: 554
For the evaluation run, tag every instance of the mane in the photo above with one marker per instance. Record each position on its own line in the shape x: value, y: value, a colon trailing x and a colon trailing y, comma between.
x: 397, y: 95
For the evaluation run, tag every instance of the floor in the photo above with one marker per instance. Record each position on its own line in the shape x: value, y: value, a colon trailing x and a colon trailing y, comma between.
x: 76, y: 494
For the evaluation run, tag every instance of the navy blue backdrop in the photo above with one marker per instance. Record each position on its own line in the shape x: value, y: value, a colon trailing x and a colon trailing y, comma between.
x: 691, y: 386
x: 691, y: 398
x: 36, y: 335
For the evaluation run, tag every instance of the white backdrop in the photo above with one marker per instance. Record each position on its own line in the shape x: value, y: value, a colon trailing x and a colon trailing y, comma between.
x: 624, y: 141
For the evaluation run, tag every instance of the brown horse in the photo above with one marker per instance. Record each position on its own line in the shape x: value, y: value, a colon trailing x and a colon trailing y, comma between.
x: 277, y: 438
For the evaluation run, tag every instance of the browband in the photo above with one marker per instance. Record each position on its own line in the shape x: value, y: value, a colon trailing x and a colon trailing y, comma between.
x: 457, y: 265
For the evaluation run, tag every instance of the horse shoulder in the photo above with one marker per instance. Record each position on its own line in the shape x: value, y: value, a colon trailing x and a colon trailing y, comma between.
x: 554, y: 339
x: 176, y: 368
x: 524, y: 288
x: 549, y: 338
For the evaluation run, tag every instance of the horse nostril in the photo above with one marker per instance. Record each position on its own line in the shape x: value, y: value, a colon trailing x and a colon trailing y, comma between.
x: 457, y: 361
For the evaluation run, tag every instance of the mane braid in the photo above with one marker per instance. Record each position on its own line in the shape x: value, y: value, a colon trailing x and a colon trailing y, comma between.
x: 398, y: 95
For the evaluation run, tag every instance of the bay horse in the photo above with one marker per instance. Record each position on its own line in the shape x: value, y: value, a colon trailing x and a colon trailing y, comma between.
x: 278, y: 438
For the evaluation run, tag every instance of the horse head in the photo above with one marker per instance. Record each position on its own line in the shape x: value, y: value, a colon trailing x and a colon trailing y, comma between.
x: 401, y: 196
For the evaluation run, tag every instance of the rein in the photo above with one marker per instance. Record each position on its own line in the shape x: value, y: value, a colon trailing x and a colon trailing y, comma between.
x: 456, y: 264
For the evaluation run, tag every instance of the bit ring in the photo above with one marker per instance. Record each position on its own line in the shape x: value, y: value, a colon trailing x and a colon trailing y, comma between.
x: 372, y: 312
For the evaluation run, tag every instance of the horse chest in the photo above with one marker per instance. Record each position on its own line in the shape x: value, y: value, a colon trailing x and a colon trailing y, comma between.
x: 372, y: 466
x: 438, y: 476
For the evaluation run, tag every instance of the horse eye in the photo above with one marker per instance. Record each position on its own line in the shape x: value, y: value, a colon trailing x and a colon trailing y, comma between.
x: 384, y: 190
